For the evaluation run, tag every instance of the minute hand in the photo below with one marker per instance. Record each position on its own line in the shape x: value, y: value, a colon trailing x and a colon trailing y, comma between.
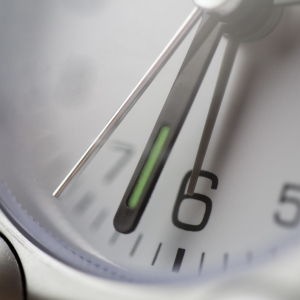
x: 220, y: 88
x: 168, y: 124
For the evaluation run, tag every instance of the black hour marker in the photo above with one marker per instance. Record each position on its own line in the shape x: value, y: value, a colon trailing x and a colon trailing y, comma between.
x: 136, y: 244
x: 114, y: 238
x: 178, y: 260
x: 225, y: 261
x: 156, y: 254
x: 83, y: 204
x: 201, y: 262
x: 249, y: 257
x: 273, y: 251
x: 98, y: 221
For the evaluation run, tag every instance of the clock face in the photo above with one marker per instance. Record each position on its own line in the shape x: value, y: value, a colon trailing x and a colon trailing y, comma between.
x: 66, y: 68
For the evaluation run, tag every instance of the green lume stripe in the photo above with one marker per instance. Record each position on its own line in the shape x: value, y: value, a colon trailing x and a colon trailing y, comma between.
x: 148, y: 167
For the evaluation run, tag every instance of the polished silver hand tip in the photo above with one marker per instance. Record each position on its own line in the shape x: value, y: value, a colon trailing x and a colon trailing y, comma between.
x: 222, y: 81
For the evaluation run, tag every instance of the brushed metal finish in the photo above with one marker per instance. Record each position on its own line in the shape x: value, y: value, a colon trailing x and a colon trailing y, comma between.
x: 11, y: 283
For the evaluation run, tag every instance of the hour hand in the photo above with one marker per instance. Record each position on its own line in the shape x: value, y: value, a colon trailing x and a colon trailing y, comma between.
x: 168, y: 124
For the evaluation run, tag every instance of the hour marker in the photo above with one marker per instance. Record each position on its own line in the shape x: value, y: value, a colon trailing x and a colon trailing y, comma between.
x: 98, y: 221
x: 225, y: 261
x: 114, y: 238
x: 249, y: 257
x: 156, y: 254
x: 83, y: 204
x: 136, y: 244
x: 178, y: 260
x: 201, y: 262
x: 273, y: 251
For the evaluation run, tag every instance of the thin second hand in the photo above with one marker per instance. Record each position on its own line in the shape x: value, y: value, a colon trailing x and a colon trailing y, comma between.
x: 130, y: 101
x: 222, y: 81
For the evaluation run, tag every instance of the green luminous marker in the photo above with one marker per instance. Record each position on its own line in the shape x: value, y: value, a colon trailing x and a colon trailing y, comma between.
x: 148, y: 167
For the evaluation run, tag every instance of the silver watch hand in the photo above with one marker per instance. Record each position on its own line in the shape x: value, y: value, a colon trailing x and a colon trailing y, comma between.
x: 130, y: 101
x: 265, y: 22
x: 222, y: 81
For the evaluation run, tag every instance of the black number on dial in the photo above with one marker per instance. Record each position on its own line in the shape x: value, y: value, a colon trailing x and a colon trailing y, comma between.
x: 182, y: 196
x: 290, y: 195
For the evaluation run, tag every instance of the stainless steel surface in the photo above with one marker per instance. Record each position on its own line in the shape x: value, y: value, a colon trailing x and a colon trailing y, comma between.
x: 223, y: 78
x: 49, y: 279
x: 130, y: 101
x: 11, y: 281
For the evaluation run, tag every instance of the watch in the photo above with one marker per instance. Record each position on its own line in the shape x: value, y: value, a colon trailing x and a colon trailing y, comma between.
x: 188, y: 189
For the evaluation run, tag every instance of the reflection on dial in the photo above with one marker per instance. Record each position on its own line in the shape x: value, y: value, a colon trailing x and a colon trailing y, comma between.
x: 253, y: 151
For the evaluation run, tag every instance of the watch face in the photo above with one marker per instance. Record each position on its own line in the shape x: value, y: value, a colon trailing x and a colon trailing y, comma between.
x: 66, y: 67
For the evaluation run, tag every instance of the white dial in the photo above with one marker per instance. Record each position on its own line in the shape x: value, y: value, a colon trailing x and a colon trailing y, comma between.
x: 64, y: 79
